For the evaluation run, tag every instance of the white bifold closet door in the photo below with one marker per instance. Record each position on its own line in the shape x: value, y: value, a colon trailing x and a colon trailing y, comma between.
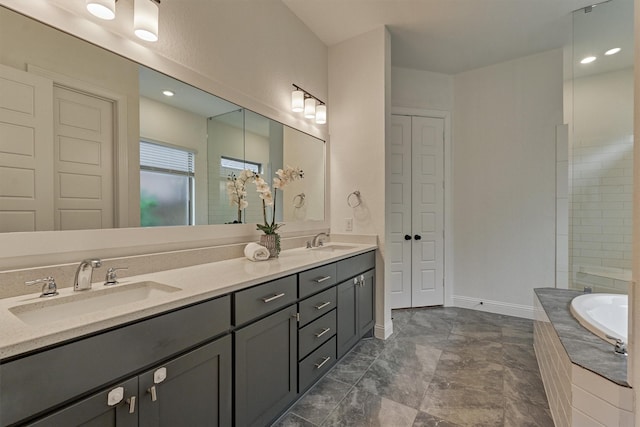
x: 416, y: 211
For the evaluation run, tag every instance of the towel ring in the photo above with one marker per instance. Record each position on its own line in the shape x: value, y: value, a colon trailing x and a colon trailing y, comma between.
x: 357, y: 202
x: 298, y: 200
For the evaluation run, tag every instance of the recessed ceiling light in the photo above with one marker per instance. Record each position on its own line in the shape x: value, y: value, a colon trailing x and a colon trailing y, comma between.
x: 588, y: 60
x: 167, y: 93
x: 613, y: 51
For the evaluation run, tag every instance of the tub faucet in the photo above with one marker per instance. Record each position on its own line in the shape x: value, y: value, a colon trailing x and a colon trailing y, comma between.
x: 84, y: 272
x: 620, y: 346
x: 318, y: 239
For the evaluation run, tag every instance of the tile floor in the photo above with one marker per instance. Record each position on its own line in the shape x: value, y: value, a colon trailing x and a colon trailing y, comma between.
x: 441, y: 367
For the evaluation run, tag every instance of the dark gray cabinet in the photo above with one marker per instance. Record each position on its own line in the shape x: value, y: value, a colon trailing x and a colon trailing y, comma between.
x: 356, y: 300
x: 193, y: 389
x: 265, y: 368
x: 95, y: 411
x: 240, y: 359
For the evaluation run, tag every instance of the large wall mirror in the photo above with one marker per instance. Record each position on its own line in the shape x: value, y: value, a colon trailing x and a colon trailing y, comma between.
x: 90, y: 140
x: 601, y: 151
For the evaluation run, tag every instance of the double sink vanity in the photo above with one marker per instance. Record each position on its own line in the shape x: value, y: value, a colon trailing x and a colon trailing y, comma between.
x: 232, y: 342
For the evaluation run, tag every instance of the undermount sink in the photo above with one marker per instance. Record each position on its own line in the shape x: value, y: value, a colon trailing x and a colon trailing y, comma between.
x: 330, y: 247
x: 55, y: 309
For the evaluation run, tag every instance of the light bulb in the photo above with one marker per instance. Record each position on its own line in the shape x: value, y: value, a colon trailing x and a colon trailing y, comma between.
x: 145, y: 20
x: 309, y: 108
x: 297, y: 101
x: 321, y: 114
x: 103, y: 9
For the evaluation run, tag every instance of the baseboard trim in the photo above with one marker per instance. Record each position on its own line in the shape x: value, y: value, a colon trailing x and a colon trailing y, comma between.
x: 496, y: 307
x: 383, y: 331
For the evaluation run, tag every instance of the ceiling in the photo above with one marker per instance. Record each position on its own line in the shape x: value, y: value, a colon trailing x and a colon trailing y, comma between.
x: 446, y: 36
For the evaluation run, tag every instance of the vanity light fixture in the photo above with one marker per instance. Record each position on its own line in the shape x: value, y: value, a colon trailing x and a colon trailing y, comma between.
x: 612, y: 51
x: 321, y: 114
x: 145, y: 19
x: 588, y: 60
x: 168, y: 92
x: 103, y: 9
x: 310, y: 108
x: 297, y: 100
x: 303, y: 101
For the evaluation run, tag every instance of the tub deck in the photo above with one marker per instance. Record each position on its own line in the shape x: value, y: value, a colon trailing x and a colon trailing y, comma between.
x: 583, y: 347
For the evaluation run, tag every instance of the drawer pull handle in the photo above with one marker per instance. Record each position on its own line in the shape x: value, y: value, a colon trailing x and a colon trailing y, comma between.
x: 154, y: 394
x: 324, y: 361
x: 274, y: 297
x: 322, y: 279
x: 323, y: 305
x: 132, y: 404
x: 324, y: 331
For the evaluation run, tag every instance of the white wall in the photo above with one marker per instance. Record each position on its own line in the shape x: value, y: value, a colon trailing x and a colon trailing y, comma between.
x: 246, y: 52
x: 504, y: 181
x: 359, y: 84
x: 421, y: 89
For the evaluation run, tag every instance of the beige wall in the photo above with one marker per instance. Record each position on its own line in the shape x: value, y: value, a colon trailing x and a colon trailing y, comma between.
x: 504, y: 184
x: 359, y: 83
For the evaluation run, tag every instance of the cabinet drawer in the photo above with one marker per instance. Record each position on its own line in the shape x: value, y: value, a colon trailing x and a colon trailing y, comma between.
x: 316, y: 333
x: 317, y: 279
x: 316, y: 364
x: 62, y: 373
x: 358, y: 264
x: 317, y: 305
x: 255, y: 302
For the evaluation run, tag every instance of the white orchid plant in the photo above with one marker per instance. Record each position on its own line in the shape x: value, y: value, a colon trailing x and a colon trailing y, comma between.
x: 237, y: 192
x: 283, y: 177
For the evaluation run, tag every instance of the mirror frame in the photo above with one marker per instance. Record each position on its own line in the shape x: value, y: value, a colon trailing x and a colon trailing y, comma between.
x: 28, y: 249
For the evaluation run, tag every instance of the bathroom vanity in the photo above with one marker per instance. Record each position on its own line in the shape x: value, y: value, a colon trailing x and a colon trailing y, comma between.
x: 239, y: 355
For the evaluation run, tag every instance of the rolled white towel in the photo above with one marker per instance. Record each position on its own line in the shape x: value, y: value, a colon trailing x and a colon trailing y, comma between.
x: 256, y: 252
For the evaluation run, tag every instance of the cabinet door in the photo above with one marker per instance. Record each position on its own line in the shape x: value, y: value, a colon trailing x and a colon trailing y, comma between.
x: 191, y: 390
x: 95, y: 411
x: 265, y: 369
x: 347, y: 333
x: 365, y: 302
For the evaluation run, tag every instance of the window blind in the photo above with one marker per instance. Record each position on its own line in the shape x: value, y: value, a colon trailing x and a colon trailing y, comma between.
x: 168, y: 159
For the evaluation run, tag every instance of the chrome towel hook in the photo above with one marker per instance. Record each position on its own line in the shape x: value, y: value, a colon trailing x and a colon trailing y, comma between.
x: 298, y: 200
x: 354, y: 203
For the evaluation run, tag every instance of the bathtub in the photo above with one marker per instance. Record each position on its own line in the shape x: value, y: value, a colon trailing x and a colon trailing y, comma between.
x: 602, y: 314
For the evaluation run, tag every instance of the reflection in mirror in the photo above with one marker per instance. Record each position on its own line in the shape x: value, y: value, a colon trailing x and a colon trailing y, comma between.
x: 601, y: 155
x: 90, y: 141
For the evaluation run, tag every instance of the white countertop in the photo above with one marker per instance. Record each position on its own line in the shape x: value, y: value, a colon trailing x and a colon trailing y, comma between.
x: 196, y: 283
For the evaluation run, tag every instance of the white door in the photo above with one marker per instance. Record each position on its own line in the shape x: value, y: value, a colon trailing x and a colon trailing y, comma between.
x: 83, y: 167
x: 416, y: 211
x: 26, y: 151
x: 427, y: 212
x: 399, y: 217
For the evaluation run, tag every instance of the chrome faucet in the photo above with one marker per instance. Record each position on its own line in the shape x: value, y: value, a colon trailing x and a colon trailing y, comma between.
x: 620, y: 347
x: 317, y: 239
x: 84, y: 272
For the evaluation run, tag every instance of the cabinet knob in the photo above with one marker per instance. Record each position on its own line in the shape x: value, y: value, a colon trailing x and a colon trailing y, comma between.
x: 132, y: 404
x: 324, y: 361
x: 407, y: 237
x: 115, y: 396
x: 154, y: 394
x: 417, y: 237
x: 323, y: 305
x: 271, y: 298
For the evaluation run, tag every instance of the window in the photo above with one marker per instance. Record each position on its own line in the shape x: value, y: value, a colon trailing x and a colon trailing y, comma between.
x: 229, y: 165
x: 166, y: 185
